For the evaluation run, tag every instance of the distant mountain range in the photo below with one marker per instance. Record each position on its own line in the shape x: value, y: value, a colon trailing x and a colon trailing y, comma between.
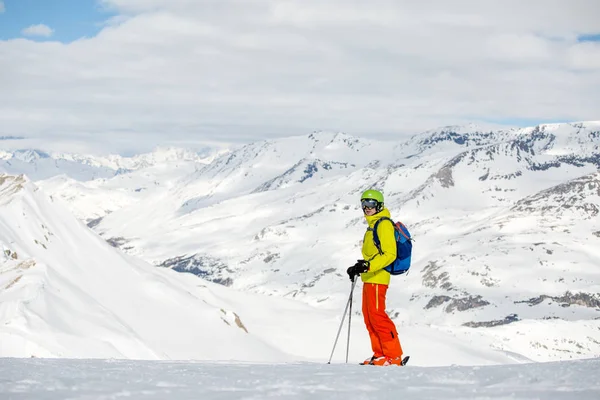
x: 11, y: 138
x: 504, y: 221
x: 40, y: 165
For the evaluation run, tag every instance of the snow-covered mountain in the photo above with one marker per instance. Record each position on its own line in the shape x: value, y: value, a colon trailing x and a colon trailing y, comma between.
x: 97, y: 185
x: 65, y: 292
x: 40, y: 165
x: 504, y: 221
x: 282, y: 218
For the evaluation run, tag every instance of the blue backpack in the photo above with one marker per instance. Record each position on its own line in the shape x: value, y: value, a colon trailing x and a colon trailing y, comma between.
x: 403, y: 247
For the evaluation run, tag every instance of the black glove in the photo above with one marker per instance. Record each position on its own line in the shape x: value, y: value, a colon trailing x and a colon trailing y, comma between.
x: 360, y: 267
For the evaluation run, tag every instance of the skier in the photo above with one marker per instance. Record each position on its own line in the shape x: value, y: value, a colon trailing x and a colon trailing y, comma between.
x: 382, y: 331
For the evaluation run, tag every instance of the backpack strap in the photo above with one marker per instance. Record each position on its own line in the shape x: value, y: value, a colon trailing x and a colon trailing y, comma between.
x: 400, y: 225
x: 375, y: 236
x: 397, y: 227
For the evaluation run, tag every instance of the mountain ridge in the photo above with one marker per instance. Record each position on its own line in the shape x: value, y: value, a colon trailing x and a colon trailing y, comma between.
x: 479, y: 258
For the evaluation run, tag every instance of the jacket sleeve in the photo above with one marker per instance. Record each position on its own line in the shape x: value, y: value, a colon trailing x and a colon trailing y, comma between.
x: 387, y: 239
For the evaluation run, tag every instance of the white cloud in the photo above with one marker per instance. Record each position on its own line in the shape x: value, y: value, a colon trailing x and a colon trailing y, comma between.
x: 234, y: 70
x: 38, y: 30
x: 2, y: 8
x: 585, y: 56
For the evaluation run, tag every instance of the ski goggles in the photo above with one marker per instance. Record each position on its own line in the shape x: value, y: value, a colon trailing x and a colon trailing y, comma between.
x: 369, y: 203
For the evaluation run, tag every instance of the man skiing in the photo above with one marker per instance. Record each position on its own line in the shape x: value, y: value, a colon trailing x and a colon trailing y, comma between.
x: 382, y: 331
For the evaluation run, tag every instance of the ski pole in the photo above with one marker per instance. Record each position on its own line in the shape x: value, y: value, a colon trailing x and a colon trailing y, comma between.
x: 348, y: 304
x: 350, y: 318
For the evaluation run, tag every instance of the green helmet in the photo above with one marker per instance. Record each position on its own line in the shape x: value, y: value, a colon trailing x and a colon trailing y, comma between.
x: 372, y: 198
x: 372, y: 194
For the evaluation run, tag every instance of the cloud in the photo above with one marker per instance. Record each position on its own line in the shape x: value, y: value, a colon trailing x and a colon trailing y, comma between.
x: 38, y: 30
x: 585, y: 56
x: 235, y: 71
x: 2, y: 8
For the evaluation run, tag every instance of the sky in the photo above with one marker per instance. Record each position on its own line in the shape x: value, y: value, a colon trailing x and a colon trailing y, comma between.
x: 127, y: 74
x: 60, y: 20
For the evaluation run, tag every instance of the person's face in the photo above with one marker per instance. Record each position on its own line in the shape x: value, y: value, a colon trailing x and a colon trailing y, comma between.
x: 369, y: 206
x: 369, y: 211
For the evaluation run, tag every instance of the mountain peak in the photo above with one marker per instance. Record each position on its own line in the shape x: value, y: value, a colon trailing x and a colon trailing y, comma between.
x: 29, y: 155
x: 11, y: 185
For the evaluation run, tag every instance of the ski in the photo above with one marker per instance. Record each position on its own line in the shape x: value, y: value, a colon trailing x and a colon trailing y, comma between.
x: 402, y: 363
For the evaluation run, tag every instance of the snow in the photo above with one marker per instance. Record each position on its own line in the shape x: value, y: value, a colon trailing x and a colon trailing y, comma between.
x: 67, y: 293
x: 40, y: 165
x: 111, y: 379
x: 73, y: 295
x: 505, y: 271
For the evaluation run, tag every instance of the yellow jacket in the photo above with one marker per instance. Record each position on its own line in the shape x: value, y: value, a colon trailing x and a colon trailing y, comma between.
x: 387, y: 238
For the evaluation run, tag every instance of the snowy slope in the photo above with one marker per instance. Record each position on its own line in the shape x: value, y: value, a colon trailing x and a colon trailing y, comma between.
x: 104, y: 379
x: 64, y: 292
x: 505, y: 265
x: 92, y: 200
x: 94, y: 186
x: 67, y: 293
x: 272, y: 218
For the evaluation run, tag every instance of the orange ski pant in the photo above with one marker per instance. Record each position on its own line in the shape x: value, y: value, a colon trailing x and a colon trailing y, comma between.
x: 382, y: 331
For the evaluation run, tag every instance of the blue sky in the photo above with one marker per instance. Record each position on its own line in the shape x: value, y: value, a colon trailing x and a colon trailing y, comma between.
x: 70, y: 19
x: 589, y: 38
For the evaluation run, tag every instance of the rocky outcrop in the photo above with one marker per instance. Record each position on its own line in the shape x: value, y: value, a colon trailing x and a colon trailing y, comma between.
x: 509, y: 319
x: 94, y: 222
x: 433, y: 278
x: 205, y: 267
x: 117, y: 241
x: 11, y: 254
x: 591, y: 300
x: 457, y: 304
